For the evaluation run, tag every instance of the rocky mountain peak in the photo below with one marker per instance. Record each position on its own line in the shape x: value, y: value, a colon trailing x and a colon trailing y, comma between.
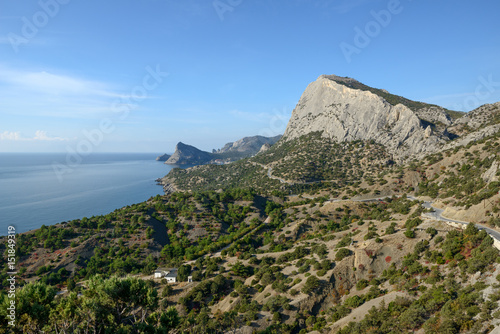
x: 346, y: 110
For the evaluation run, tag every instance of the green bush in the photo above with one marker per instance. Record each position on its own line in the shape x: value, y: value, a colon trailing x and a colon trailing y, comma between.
x: 342, y: 253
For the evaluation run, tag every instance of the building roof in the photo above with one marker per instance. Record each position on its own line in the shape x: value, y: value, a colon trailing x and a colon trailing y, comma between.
x: 172, y: 273
x: 165, y: 269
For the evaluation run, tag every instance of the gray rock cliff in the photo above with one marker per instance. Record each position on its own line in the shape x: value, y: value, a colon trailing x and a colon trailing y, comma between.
x: 348, y: 114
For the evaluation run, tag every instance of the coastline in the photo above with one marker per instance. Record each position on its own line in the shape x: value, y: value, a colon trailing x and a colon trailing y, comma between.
x: 32, y: 195
x: 168, y: 188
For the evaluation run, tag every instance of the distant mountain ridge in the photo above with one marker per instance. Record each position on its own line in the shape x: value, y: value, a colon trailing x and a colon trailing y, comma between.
x: 248, y: 144
x: 245, y: 147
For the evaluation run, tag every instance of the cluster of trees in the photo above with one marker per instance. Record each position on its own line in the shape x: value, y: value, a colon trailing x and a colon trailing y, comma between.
x: 132, y: 305
x: 111, y: 305
x: 446, y: 308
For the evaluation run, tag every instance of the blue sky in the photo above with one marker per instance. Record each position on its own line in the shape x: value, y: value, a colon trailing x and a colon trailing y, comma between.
x: 139, y: 76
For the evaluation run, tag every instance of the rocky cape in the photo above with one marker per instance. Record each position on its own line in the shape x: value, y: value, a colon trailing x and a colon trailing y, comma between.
x: 187, y: 154
x: 163, y: 157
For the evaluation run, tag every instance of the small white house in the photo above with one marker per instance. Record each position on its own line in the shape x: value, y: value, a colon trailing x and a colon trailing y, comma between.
x: 169, y: 274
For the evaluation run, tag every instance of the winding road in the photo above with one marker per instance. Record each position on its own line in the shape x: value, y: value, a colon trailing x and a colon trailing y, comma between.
x: 438, y: 215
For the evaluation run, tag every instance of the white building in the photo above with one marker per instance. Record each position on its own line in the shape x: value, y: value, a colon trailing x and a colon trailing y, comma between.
x: 169, y: 274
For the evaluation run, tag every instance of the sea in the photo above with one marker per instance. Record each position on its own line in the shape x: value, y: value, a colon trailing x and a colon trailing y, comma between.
x: 44, y: 189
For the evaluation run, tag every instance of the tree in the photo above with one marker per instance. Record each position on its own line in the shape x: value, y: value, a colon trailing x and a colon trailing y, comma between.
x: 33, y: 305
x: 276, y: 317
x: 71, y: 284
x: 109, y: 304
x: 342, y: 253
x: 167, y: 291
x: 311, y: 284
x: 183, y: 272
x: 409, y: 233
x: 431, y: 231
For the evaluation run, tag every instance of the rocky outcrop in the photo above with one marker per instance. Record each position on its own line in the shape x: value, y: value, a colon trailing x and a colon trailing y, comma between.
x: 348, y: 114
x: 187, y: 154
x: 248, y: 145
x: 473, y: 136
x: 163, y: 157
x: 435, y: 115
x: 264, y: 148
x: 491, y: 174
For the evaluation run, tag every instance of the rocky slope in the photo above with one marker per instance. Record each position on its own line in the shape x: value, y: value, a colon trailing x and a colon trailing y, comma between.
x: 485, y: 115
x: 344, y: 110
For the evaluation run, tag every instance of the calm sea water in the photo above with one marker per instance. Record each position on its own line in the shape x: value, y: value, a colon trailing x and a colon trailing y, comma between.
x: 34, y: 193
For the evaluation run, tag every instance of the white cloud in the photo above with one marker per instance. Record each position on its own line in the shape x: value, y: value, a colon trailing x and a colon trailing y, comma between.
x: 44, y: 93
x: 40, y: 135
x: 9, y: 135
x: 54, y: 84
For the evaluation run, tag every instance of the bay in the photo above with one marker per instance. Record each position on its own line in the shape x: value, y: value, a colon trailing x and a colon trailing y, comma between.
x: 43, y: 188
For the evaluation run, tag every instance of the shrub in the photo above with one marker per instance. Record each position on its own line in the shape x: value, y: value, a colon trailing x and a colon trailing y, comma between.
x: 311, y: 284
x: 342, y: 253
x: 354, y: 301
x: 431, y: 231
x: 361, y: 284
x: 409, y: 233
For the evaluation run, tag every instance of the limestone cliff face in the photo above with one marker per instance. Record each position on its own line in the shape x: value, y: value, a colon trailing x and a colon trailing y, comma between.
x: 348, y: 114
x: 187, y: 154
